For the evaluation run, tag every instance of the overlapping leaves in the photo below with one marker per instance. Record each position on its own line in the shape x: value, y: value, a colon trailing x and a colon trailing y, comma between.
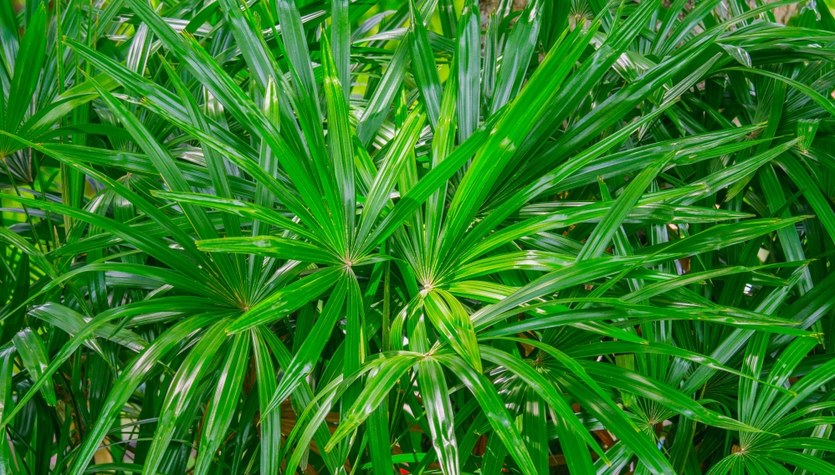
x: 350, y: 237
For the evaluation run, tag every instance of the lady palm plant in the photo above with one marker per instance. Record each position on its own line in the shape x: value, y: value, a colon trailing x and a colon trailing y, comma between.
x: 403, y: 237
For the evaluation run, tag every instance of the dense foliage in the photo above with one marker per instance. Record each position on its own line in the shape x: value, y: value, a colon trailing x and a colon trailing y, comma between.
x: 400, y: 237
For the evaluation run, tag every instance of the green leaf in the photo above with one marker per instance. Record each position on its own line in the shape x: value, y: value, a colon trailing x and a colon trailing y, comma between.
x: 270, y: 430
x: 340, y: 138
x: 440, y: 415
x: 425, y: 68
x: 383, y: 374
x: 274, y: 246
x: 129, y: 380
x: 28, y: 63
x: 182, y: 393
x: 224, y: 402
x: 494, y: 409
x: 519, y: 49
x: 605, y: 230
x: 311, y: 348
x: 451, y: 319
x: 33, y: 355
x: 287, y: 299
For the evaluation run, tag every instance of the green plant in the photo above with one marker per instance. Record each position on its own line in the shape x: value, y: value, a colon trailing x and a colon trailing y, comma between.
x: 378, y: 236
